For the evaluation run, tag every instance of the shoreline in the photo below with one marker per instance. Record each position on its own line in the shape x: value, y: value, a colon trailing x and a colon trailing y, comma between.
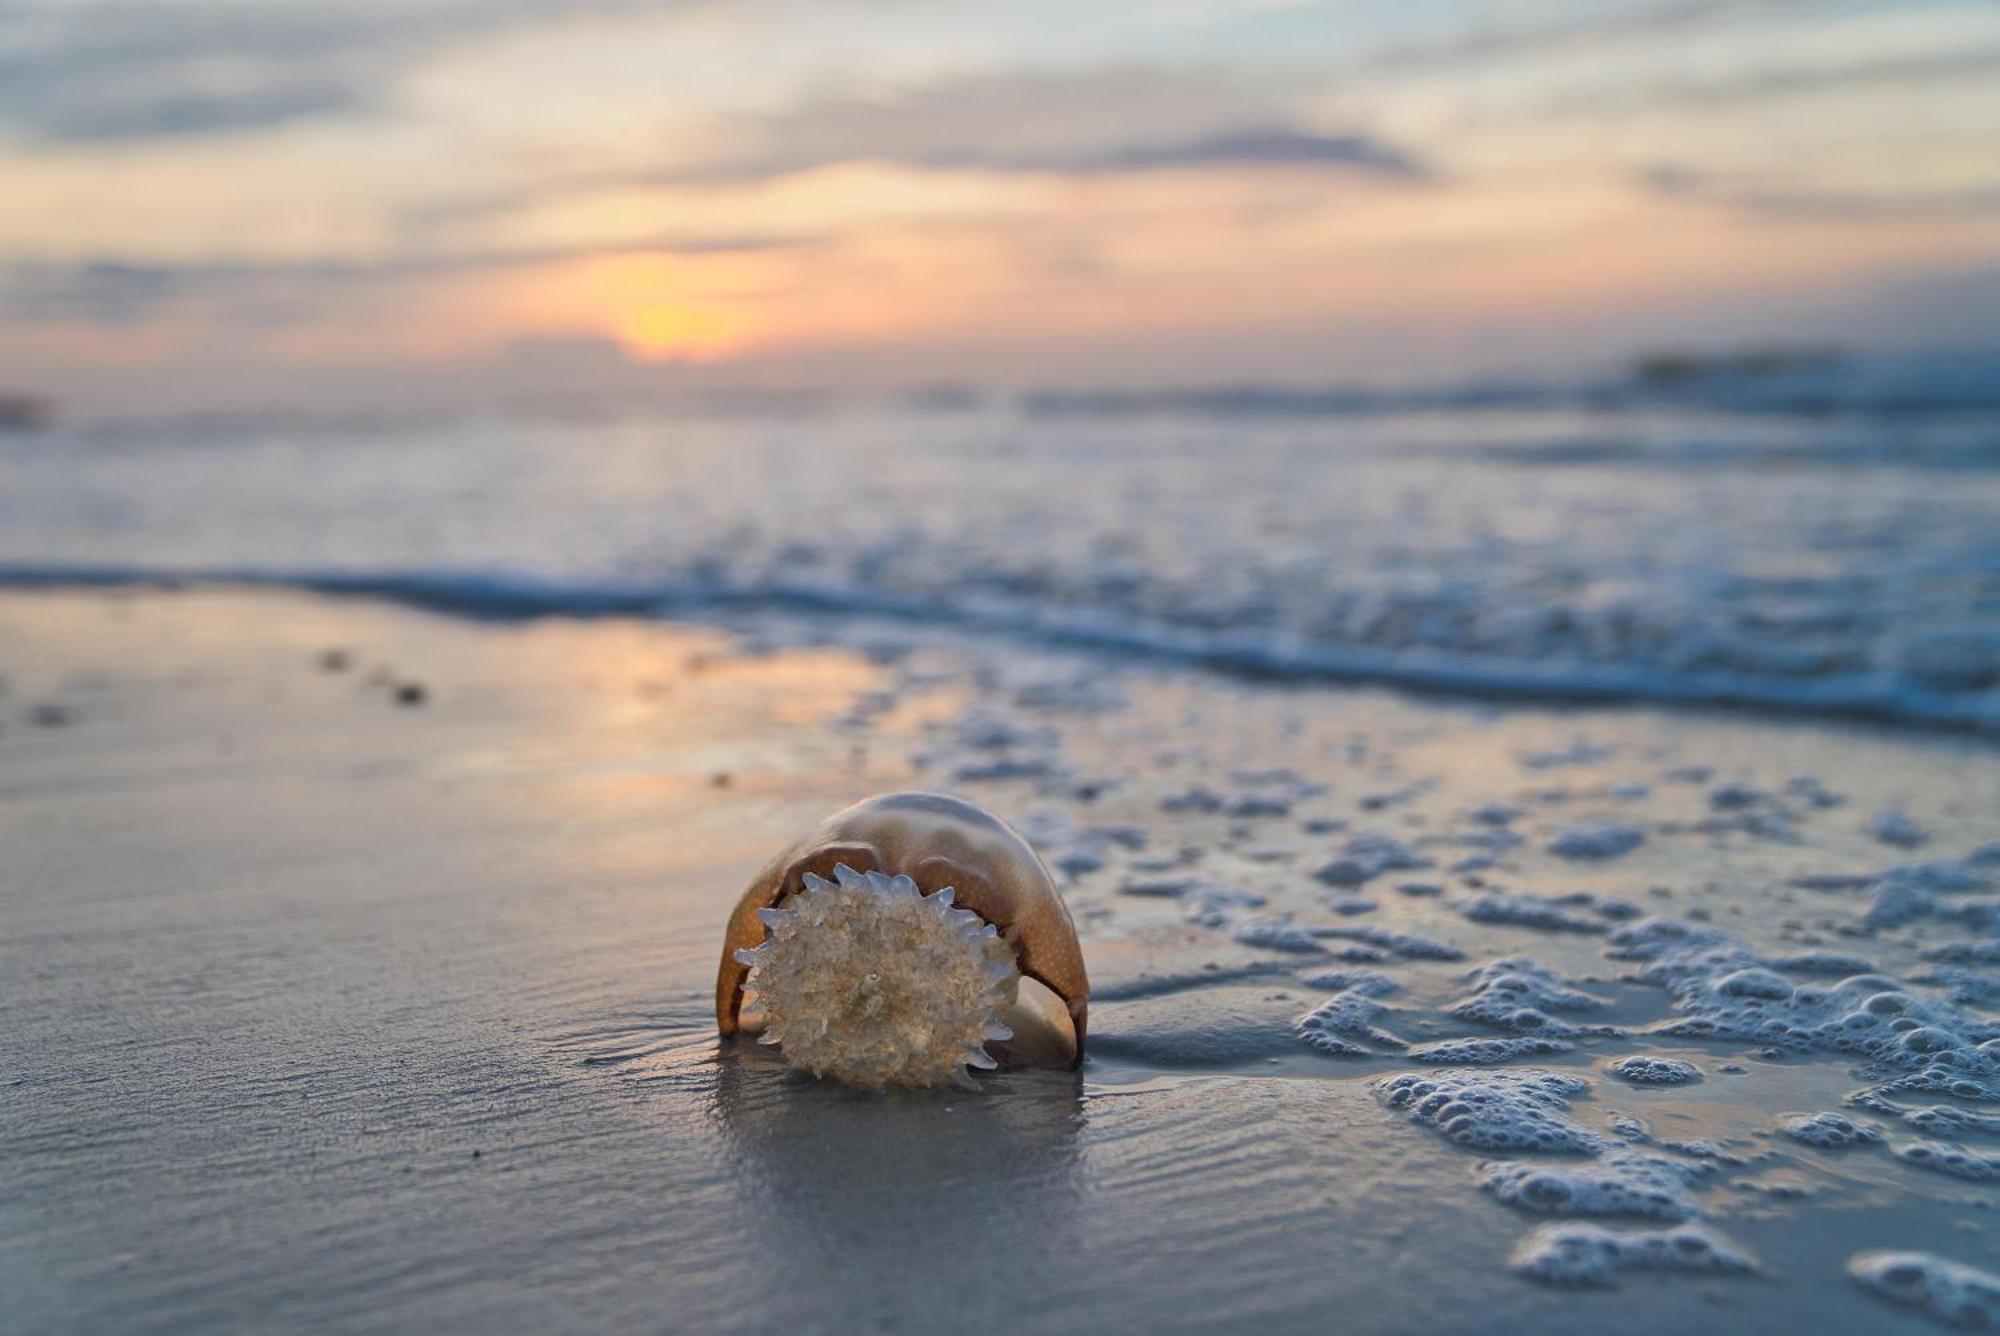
x: 508, y: 598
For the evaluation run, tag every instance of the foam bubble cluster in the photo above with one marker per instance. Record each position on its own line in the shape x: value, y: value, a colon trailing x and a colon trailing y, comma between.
x: 1482, y: 1052
x: 1541, y: 912
x: 1274, y: 932
x: 1584, y: 1254
x: 1597, y: 841
x: 1722, y: 990
x: 1622, y: 1182
x: 1950, y: 1121
x: 1829, y: 1131
x: 868, y: 980
x: 1367, y: 856
x: 1372, y: 983
x: 1408, y: 945
x: 1645, y: 1069
x: 1951, y: 1292
x: 1946, y: 890
x: 1344, y: 1025
x: 1487, y: 1110
x: 1956, y: 1161
x: 1518, y: 994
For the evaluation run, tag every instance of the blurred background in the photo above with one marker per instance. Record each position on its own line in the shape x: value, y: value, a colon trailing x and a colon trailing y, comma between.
x: 1640, y: 350
x: 262, y: 203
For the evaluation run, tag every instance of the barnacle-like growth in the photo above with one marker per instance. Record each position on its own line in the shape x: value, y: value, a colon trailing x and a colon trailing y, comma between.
x: 869, y: 981
x: 898, y: 941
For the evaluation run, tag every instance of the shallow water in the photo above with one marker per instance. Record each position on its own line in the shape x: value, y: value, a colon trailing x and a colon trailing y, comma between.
x: 1821, y: 547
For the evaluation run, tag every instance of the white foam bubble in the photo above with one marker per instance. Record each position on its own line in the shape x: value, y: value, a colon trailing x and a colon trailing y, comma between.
x: 1645, y: 1069
x: 1344, y: 1023
x: 1586, y: 1254
x: 1986, y: 952
x: 1518, y: 1110
x: 1210, y: 904
x: 1485, y: 1052
x: 1541, y: 912
x: 1831, y: 963
x: 1948, y: 1120
x: 1736, y: 796
x: 1410, y: 945
x: 1200, y: 798
x: 1369, y: 855
x: 1829, y: 1131
x: 1517, y: 994
x: 1579, y: 751
x: 1621, y: 1183
x: 1951, y: 1292
x: 1896, y: 828
x: 1597, y: 841
x: 1937, y: 890
x: 1072, y: 847
x: 1942, y: 1157
x: 1371, y: 983
x: 1275, y: 932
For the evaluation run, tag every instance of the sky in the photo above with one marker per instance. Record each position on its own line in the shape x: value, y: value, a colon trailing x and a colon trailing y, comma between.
x: 218, y: 203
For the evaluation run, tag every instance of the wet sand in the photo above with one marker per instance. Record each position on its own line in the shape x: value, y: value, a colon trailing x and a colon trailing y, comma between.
x: 355, y: 967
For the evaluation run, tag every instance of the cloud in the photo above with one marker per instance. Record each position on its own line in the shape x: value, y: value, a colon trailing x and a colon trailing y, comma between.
x: 1257, y: 146
x: 1785, y: 80
x: 117, y: 292
x: 1275, y: 146
x: 102, y: 292
x: 1598, y: 26
x: 72, y: 71
x: 177, y: 112
x: 1753, y: 195
x: 1100, y: 122
x: 1089, y: 123
x: 125, y: 69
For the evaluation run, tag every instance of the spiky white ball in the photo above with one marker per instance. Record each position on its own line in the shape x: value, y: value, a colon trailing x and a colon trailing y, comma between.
x: 870, y: 981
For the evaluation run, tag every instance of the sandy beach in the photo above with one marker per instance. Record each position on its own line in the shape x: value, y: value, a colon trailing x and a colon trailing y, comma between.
x: 356, y: 967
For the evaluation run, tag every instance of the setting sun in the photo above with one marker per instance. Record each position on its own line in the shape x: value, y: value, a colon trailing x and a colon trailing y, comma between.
x: 663, y: 331
x: 641, y: 300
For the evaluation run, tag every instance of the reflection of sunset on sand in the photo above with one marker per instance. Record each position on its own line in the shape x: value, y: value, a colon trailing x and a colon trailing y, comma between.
x: 974, y: 1193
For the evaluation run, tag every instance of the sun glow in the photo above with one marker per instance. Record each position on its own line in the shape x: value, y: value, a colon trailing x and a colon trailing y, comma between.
x: 667, y: 331
x: 659, y: 308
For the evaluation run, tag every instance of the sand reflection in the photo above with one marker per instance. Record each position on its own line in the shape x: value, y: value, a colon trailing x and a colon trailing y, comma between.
x: 973, y: 1191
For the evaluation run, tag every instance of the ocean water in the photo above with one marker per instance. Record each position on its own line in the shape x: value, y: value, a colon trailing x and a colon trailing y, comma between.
x: 1805, y: 535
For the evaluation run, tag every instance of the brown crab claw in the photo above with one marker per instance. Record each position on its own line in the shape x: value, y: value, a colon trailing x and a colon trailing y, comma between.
x: 907, y: 922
